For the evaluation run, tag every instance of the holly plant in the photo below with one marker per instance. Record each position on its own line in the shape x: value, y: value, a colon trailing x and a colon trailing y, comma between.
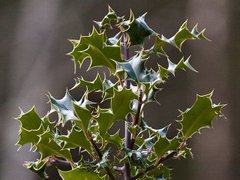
x: 86, y: 140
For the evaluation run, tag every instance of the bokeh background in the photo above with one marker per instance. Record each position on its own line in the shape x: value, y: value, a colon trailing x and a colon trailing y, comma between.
x: 33, y: 44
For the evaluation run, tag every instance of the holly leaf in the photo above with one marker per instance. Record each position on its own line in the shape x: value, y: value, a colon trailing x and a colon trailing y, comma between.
x: 115, y: 139
x: 29, y: 136
x: 137, y: 29
x: 83, y: 115
x: 164, y: 145
x: 111, y: 16
x: 120, y: 110
x: 116, y: 112
x: 30, y: 120
x: 178, y: 39
x: 74, y: 139
x: 46, y: 146
x: 37, y: 167
x: 63, y: 107
x: 95, y: 48
x: 172, y: 68
x: 97, y: 85
x: 79, y: 173
x: 199, y: 116
x: 136, y: 71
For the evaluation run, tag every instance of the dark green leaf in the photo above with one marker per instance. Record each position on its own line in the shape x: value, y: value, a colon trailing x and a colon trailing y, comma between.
x: 137, y: 29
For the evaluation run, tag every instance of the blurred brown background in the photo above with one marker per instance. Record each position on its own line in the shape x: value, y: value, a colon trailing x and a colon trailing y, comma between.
x: 33, y: 44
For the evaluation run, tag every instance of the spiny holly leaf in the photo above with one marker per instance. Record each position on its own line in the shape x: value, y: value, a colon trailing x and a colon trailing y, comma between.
x: 83, y: 115
x: 74, y: 139
x: 79, y: 173
x: 30, y: 120
x: 199, y: 116
x: 164, y: 145
x: 137, y: 29
x: 47, y: 147
x: 120, y: 110
x: 115, y: 139
x: 172, y: 68
x: 159, y: 132
x: 29, y: 136
x: 178, y: 39
x: 136, y: 70
x: 117, y: 111
x: 97, y: 85
x: 94, y: 47
x: 105, y: 121
x: 37, y: 167
x: 105, y: 23
x: 63, y: 107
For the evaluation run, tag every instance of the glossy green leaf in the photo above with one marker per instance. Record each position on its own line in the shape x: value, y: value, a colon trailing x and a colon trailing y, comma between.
x: 199, y: 116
